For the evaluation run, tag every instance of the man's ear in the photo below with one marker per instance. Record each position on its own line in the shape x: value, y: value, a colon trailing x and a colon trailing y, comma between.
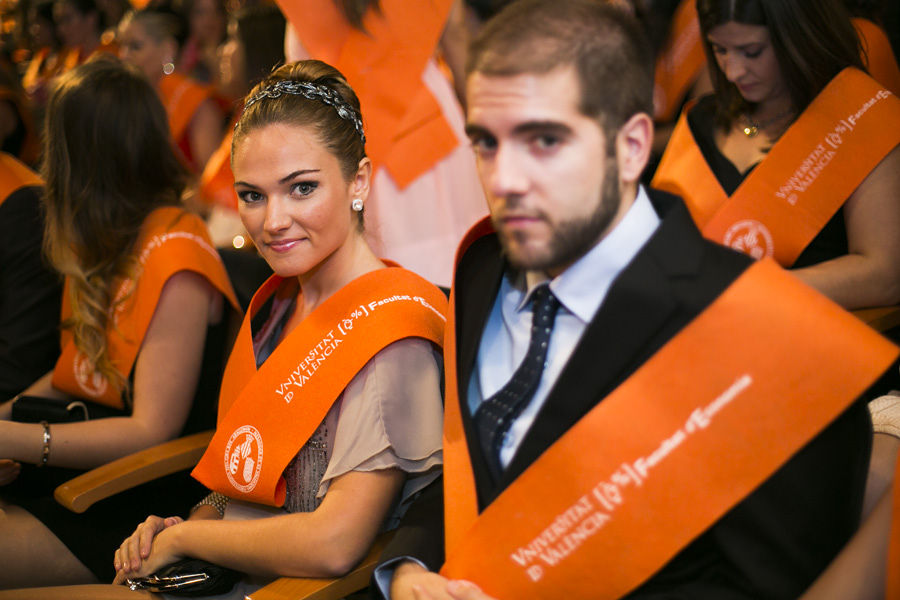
x: 633, y: 144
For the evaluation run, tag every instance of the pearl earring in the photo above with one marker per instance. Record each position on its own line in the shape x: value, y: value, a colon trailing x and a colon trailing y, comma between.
x: 357, y: 204
x: 169, y: 68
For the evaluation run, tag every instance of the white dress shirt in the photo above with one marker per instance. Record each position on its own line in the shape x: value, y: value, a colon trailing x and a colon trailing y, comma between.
x: 580, y: 290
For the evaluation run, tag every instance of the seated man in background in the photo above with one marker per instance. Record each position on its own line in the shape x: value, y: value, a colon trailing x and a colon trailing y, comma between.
x: 631, y: 409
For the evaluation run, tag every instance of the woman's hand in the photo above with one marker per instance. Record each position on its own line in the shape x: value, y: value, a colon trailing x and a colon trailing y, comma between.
x: 9, y: 471
x: 132, y: 556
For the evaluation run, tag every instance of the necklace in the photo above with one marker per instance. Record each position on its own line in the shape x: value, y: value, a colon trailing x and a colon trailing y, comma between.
x: 753, y: 128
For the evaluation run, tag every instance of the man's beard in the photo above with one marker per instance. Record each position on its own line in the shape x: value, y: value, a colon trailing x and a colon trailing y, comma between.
x: 570, y: 239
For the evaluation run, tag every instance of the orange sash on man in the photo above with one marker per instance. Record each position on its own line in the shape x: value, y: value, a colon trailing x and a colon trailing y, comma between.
x: 405, y: 128
x: 14, y: 175
x: 679, y: 62
x: 878, y: 55
x: 806, y: 178
x: 267, y: 415
x: 583, y: 524
x: 181, y: 96
x: 170, y: 241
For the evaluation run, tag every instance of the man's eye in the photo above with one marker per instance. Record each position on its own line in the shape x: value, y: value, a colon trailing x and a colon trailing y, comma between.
x: 545, y: 142
x: 484, y: 144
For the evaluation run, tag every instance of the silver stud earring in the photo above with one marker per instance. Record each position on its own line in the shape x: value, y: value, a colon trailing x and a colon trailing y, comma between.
x: 357, y: 204
x: 169, y: 68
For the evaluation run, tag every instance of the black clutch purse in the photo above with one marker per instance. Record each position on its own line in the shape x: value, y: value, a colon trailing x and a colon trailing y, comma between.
x: 34, y: 409
x: 188, y: 577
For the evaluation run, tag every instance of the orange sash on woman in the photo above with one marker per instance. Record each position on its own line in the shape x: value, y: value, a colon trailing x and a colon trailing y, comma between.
x: 181, y: 96
x: 14, y: 175
x: 266, y: 415
x: 807, y: 176
x: 679, y: 62
x: 405, y: 129
x: 878, y: 55
x: 171, y: 240
x: 779, y: 362
x: 217, y: 180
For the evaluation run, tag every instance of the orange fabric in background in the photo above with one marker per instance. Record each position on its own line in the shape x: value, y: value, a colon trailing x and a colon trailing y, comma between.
x: 181, y: 96
x: 217, y: 180
x: 171, y: 240
x: 14, y: 175
x: 679, y: 62
x: 613, y: 518
x: 805, y: 179
x: 305, y: 374
x: 878, y: 55
x: 405, y: 129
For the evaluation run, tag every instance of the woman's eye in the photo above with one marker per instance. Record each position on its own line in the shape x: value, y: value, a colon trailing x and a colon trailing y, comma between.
x: 717, y: 49
x: 305, y: 188
x: 753, y: 53
x: 249, y: 196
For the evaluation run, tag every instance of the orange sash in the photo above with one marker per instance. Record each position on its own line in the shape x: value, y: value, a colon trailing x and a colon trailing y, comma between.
x: 181, y: 96
x: 878, y: 55
x: 807, y: 176
x: 171, y: 240
x: 217, y: 180
x: 405, y: 128
x: 14, y: 175
x: 583, y: 524
x: 279, y: 406
x: 679, y: 62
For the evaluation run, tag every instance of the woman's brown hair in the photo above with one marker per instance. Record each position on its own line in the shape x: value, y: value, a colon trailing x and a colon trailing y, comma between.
x: 813, y: 41
x: 108, y: 163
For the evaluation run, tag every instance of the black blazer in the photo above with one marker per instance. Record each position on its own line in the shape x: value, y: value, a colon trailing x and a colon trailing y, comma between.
x: 770, y: 545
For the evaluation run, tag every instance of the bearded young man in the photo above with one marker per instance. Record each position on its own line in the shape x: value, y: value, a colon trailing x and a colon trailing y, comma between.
x: 664, y: 419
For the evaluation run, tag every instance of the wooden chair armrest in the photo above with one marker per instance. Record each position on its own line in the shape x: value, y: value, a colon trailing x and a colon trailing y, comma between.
x: 880, y: 318
x: 80, y: 493
x: 296, y: 588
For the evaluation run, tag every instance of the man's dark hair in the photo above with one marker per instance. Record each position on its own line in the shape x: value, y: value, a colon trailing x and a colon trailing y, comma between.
x: 604, y: 43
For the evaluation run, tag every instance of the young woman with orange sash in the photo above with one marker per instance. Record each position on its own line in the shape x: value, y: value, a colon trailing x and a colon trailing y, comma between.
x: 795, y: 156
x: 150, y: 40
x: 80, y: 25
x: 144, y: 293
x: 330, y: 409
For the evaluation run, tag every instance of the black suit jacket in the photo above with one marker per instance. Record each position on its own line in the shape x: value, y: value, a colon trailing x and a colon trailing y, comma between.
x: 774, y: 542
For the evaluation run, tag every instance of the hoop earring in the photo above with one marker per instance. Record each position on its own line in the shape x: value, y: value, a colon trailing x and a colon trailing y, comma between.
x: 169, y: 68
x: 357, y: 204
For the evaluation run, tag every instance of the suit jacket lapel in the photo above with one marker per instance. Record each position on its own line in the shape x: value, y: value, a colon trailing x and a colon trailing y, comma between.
x: 476, y: 287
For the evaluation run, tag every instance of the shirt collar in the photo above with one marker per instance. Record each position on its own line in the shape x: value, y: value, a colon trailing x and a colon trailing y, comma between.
x: 582, y: 287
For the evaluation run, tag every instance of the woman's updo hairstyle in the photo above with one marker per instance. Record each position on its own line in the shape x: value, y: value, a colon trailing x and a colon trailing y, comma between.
x: 332, y: 112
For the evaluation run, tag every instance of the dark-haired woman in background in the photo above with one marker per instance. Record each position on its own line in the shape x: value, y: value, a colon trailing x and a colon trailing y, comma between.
x: 254, y: 47
x: 150, y: 40
x: 143, y: 293
x: 80, y: 24
x: 795, y: 155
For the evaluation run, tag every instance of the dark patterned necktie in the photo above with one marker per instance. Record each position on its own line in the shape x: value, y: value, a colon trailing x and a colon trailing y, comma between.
x: 496, y: 414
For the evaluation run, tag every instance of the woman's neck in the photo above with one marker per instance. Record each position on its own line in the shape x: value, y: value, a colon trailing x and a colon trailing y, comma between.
x: 348, y: 262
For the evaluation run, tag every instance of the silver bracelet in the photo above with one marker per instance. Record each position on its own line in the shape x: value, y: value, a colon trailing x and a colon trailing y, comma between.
x: 216, y: 500
x: 45, y: 451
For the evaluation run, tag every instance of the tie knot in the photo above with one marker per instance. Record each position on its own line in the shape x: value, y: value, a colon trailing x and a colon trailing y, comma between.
x: 543, y: 300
